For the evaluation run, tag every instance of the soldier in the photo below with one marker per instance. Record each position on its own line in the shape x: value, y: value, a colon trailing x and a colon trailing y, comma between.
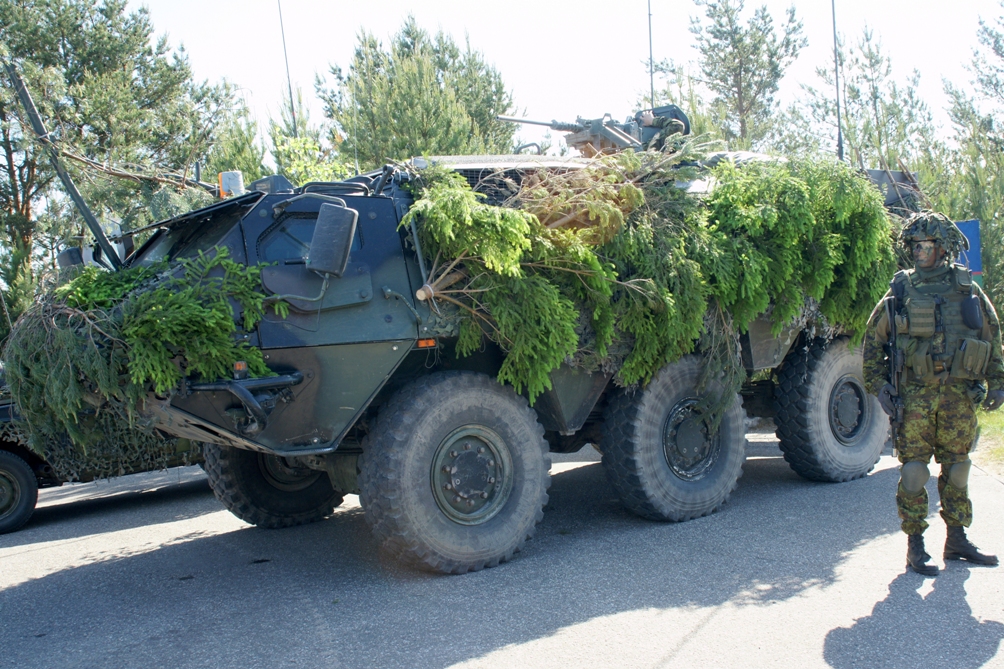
x: 669, y: 126
x: 947, y: 345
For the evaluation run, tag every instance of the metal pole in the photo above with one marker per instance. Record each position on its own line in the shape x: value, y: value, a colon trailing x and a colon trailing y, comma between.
x: 43, y: 136
x: 292, y: 107
x: 836, y: 79
x: 651, y: 61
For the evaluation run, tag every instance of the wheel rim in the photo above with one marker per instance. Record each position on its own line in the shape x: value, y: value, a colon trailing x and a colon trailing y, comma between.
x: 283, y: 477
x: 847, y: 409
x: 690, y: 448
x: 471, y: 475
x: 10, y: 494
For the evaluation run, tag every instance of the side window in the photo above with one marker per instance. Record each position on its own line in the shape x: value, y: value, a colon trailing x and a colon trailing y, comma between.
x: 290, y: 239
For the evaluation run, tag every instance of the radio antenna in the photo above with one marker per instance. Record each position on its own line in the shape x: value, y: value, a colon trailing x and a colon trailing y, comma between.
x: 651, y: 61
x: 292, y: 107
x: 836, y: 80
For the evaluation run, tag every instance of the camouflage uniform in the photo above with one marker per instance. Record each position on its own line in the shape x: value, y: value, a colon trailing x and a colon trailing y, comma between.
x: 668, y: 127
x: 939, y: 412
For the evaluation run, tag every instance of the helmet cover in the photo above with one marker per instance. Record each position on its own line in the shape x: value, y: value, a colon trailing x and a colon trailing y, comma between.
x: 934, y: 226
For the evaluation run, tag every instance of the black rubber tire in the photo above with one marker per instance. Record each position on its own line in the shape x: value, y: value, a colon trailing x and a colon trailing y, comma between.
x: 635, y: 458
x: 241, y: 480
x: 18, y: 492
x: 398, y: 473
x: 803, y: 397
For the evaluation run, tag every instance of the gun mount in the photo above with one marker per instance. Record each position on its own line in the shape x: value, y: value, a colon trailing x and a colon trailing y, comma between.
x: 605, y: 135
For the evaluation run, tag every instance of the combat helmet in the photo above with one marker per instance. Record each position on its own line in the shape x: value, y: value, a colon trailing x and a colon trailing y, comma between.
x: 932, y: 225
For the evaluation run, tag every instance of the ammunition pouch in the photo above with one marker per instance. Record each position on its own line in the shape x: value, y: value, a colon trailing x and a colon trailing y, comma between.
x: 920, y: 362
x: 971, y: 359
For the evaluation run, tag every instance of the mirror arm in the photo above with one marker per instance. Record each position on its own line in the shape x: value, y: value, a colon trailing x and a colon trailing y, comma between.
x: 281, y: 206
x: 286, y: 298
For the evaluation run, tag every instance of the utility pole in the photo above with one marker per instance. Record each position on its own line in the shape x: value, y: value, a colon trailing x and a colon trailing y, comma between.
x: 836, y: 80
x: 292, y: 106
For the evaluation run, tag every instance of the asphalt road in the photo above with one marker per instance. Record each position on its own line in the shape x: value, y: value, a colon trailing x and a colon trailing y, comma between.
x: 149, y: 571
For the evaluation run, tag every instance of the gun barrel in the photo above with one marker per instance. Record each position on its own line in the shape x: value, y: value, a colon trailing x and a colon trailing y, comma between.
x: 513, y: 119
x: 553, y: 125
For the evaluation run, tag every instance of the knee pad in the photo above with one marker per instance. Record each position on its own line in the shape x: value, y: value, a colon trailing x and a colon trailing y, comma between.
x: 913, y: 476
x: 958, y: 474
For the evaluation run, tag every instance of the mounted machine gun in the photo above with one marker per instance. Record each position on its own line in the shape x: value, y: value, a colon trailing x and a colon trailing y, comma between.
x: 604, y: 135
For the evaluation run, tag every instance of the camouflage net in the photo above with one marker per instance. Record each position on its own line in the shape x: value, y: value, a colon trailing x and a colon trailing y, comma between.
x: 82, y: 360
x: 616, y: 267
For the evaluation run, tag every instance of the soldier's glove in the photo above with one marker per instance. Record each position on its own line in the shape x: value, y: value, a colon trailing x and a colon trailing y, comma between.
x: 886, y: 399
x: 995, y: 398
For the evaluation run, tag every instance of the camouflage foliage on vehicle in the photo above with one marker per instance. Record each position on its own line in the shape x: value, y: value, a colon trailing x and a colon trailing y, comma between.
x: 81, y: 361
x: 617, y: 267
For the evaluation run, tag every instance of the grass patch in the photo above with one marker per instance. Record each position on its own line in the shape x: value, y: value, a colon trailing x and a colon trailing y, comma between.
x: 990, y: 453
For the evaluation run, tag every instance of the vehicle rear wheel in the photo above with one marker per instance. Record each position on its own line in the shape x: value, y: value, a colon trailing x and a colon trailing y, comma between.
x: 18, y: 492
x: 454, y: 475
x: 660, y: 453
x: 265, y: 491
x: 829, y: 427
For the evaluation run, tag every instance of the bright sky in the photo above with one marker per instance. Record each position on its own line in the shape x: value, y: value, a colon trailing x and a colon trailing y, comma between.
x: 561, y: 59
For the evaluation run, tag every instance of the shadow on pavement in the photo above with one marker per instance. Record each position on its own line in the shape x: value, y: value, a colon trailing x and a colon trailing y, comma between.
x: 907, y: 630
x: 324, y: 594
x: 121, y: 509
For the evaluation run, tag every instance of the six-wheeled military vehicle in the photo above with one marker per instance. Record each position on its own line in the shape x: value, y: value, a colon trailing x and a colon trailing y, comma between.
x: 452, y: 467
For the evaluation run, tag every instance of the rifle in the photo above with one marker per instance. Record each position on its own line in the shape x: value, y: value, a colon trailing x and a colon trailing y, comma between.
x: 896, y: 362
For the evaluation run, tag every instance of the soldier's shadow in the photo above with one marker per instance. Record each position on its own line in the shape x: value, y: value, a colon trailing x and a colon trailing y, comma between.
x: 907, y: 629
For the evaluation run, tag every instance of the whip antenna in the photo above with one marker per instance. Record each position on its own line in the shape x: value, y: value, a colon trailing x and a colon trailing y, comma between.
x: 836, y: 80
x: 292, y: 107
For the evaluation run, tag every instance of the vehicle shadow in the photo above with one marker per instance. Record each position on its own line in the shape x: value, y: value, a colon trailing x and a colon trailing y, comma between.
x: 326, y: 594
x: 907, y: 629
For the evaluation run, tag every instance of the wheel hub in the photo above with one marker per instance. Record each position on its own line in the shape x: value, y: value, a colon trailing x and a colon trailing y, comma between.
x: 10, y: 494
x: 281, y: 476
x: 847, y: 402
x: 471, y: 475
x: 688, y: 444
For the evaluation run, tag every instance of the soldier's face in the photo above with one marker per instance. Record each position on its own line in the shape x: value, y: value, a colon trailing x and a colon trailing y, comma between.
x: 926, y: 253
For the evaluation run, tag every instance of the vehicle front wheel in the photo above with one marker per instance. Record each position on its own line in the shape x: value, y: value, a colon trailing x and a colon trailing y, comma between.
x: 18, y: 492
x: 454, y: 475
x: 660, y: 452
x: 264, y: 490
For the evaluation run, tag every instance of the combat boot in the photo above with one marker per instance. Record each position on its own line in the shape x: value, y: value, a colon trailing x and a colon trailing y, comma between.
x: 917, y: 558
x: 958, y: 547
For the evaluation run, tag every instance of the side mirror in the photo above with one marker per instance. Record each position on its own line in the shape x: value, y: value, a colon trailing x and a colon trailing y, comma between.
x: 332, y: 240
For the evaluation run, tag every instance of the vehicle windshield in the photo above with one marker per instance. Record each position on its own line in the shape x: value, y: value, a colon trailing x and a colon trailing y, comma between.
x: 200, y: 230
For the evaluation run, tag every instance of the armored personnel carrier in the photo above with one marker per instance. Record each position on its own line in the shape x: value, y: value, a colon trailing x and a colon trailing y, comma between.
x: 452, y: 467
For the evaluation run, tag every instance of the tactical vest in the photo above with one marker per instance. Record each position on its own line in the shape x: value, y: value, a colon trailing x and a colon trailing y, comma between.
x: 940, y: 328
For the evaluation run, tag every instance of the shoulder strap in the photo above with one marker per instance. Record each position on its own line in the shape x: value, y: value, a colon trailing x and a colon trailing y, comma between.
x: 898, y: 285
x: 963, y: 279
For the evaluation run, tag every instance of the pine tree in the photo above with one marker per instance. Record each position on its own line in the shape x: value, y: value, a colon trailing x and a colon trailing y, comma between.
x: 109, y: 93
x: 300, y: 151
x: 421, y: 95
x: 743, y: 65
